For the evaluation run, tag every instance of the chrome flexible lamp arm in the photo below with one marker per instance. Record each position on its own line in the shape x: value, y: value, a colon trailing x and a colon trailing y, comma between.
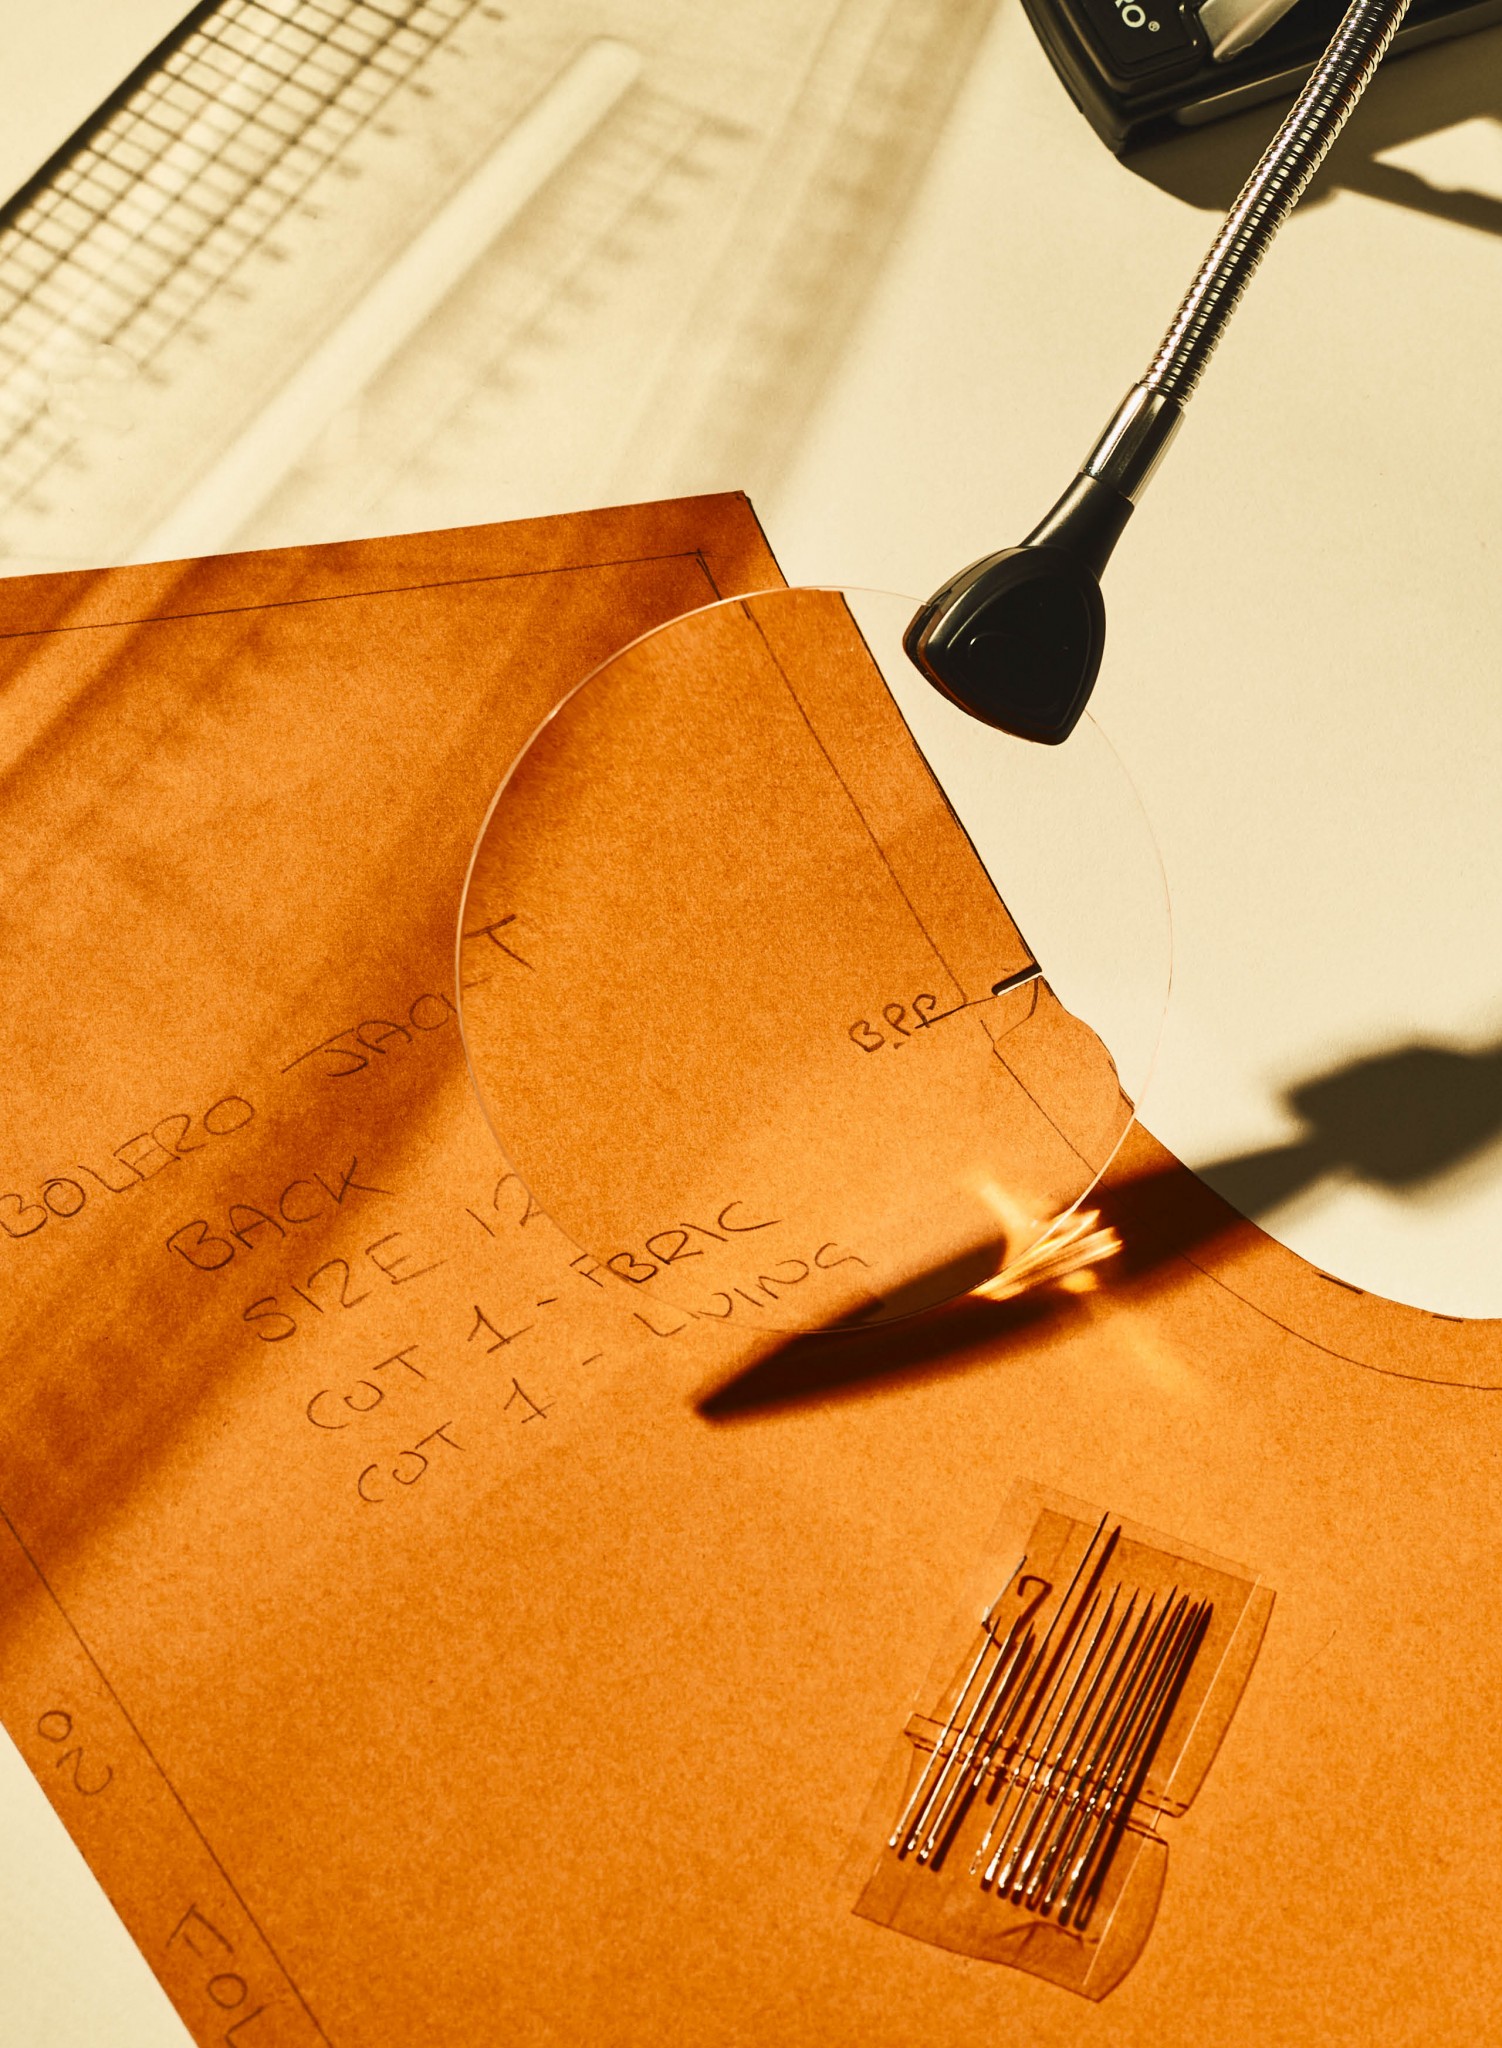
x: 1016, y: 638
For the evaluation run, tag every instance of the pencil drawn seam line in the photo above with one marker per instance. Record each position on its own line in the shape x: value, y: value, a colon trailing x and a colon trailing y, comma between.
x: 45, y: 1583
x: 165, y: 618
x: 866, y: 825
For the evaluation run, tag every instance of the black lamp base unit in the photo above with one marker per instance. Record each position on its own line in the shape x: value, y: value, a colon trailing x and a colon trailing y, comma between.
x: 1140, y: 69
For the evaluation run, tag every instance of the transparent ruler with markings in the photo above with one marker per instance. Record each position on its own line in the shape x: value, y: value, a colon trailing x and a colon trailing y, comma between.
x: 333, y: 266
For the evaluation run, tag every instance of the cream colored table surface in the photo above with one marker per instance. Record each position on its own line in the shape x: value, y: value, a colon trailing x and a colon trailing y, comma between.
x: 1303, y: 642
x: 61, y: 61
x: 1301, y: 673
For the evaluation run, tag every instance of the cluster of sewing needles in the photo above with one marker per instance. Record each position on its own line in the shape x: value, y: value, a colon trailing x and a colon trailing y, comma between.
x: 1055, y: 1731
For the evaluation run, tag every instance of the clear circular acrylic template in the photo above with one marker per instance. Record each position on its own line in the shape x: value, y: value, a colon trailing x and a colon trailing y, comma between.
x: 794, y: 995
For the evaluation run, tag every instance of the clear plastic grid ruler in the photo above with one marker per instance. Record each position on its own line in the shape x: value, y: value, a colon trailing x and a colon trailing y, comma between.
x: 333, y: 265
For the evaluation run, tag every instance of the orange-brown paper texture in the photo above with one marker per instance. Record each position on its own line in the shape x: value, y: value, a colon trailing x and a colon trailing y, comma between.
x: 419, y: 1647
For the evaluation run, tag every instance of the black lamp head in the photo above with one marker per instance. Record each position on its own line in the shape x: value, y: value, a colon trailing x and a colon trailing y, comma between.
x: 1016, y: 639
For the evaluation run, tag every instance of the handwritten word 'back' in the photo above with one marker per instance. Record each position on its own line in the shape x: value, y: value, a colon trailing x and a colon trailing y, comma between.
x: 300, y: 1202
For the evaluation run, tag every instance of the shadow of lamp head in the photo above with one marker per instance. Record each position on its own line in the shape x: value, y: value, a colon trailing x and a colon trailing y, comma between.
x: 1399, y: 1120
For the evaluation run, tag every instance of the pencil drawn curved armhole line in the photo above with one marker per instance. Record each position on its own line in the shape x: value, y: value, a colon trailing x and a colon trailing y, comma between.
x: 1391, y: 1372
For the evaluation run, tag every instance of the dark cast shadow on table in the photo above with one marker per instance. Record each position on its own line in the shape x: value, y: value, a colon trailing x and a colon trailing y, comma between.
x: 1405, y: 1120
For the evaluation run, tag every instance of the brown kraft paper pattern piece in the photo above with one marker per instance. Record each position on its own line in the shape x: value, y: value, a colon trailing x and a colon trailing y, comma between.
x: 420, y: 1646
